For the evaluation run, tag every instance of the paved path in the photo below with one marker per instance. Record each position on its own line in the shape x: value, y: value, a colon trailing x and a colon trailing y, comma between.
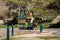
x: 3, y: 31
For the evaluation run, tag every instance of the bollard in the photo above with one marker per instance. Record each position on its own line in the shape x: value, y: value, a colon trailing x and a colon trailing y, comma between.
x: 7, y: 32
x: 41, y: 28
x: 12, y: 33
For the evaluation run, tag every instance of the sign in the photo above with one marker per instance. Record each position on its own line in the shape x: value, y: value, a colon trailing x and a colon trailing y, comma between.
x: 28, y: 15
x: 21, y: 21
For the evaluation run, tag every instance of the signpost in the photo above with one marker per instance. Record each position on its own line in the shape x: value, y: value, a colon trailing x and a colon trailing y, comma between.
x: 12, y: 30
x: 7, y: 32
x: 7, y: 29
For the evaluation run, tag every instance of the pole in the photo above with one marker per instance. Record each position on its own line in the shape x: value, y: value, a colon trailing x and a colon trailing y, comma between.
x: 12, y: 30
x: 29, y: 25
x: 41, y: 28
x: 23, y: 26
x: 7, y: 32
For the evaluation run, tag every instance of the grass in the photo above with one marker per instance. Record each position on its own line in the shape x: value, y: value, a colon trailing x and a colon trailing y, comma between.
x: 37, y: 38
x: 2, y: 26
x: 16, y: 26
x: 9, y: 39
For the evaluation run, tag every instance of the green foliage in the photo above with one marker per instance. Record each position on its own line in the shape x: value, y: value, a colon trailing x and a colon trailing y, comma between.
x: 2, y: 26
x: 20, y: 2
x: 38, y: 6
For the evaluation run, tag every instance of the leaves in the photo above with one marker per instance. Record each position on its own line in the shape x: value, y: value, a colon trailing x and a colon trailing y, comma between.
x: 37, y: 6
x: 20, y: 2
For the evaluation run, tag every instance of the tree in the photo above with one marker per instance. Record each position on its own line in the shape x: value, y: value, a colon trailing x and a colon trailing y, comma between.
x: 18, y: 2
x: 37, y: 6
